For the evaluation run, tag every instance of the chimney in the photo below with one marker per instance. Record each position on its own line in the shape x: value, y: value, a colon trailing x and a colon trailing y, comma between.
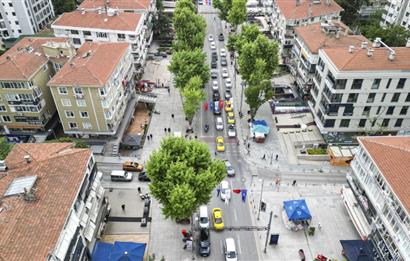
x: 376, y: 42
x: 370, y: 52
x: 364, y: 45
x: 392, y: 55
x: 27, y: 158
x: 351, y: 48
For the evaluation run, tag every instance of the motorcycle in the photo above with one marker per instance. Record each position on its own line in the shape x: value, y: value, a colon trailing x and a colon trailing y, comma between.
x: 206, y: 128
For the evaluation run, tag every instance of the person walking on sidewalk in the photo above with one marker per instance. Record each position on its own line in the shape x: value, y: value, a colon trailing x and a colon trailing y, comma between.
x: 277, y: 156
x: 264, y: 157
x: 172, y: 116
x: 147, y: 137
x: 294, y: 183
x: 150, y: 136
x: 165, y: 130
x: 123, y: 207
x: 169, y: 130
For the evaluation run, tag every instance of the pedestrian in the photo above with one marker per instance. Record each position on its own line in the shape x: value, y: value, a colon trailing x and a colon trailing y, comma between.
x: 169, y: 90
x: 139, y: 190
x: 319, y: 226
x: 216, y: 153
x: 147, y: 137
x: 277, y: 156
x: 184, y: 232
x: 169, y: 130
x: 196, y: 137
x: 294, y: 183
x: 172, y: 116
x: 249, y: 145
x: 150, y: 136
x: 162, y: 85
x: 123, y: 207
x: 165, y: 129
x: 264, y: 157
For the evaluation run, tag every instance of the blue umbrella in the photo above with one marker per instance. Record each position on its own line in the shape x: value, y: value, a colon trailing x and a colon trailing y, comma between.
x: 127, y: 251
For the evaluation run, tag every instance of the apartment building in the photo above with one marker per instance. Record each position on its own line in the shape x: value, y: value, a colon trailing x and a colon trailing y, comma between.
x: 107, y: 25
x: 305, y: 51
x: 362, y: 89
x: 53, y: 204
x: 25, y: 100
x: 285, y: 15
x: 396, y: 12
x: 379, y: 186
x: 92, y: 91
x: 24, y: 17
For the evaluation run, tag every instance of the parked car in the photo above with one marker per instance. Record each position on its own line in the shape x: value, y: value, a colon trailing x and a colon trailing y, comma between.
x: 121, y: 175
x: 230, y: 250
x: 219, y: 124
x: 225, y: 73
x: 228, y: 83
x: 217, y: 219
x: 204, y: 242
x: 230, y: 171
x: 231, y: 131
x: 216, y: 96
x: 132, y: 166
x: 214, y: 74
x: 214, y: 65
x: 215, y: 85
x: 221, y: 37
x: 228, y: 94
x: 142, y: 176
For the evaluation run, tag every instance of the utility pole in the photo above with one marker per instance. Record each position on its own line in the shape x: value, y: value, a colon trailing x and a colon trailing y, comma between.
x: 260, y: 200
x: 267, y: 233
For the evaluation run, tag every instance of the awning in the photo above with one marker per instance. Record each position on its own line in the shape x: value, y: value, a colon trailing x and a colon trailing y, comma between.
x: 297, y: 210
x: 118, y: 251
x: 101, y: 251
x: 357, y: 250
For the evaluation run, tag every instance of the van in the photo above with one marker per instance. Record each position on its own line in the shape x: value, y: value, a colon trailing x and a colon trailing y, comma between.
x: 225, y: 190
x: 203, y: 217
x: 230, y: 250
x: 121, y: 175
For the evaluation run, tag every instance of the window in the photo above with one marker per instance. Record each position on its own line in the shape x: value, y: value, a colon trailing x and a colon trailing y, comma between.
x: 388, y: 84
x: 352, y: 97
x: 66, y: 102
x: 378, y: 110
x: 84, y: 114
x: 385, y: 122
x: 408, y: 97
x: 62, y: 90
x: 107, y: 114
x: 73, y: 31
x: 376, y: 83
x: 344, y: 123
x: 357, y: 84
x: 395, y: 97
x: 78, y: 90
x: 87, y: 125
x: 383, y: 97
x: 329, y: 123
x: 102, y: 35
x: 72, y: 125
x: 76, y: 41
x: 87, y: 33
x: 81, y: 103
x: 3, y: 108
x: 103, y: 91
x: 404, y: 110
x: 10, y: 4
x: 401, y: 83
x: 370, y: 98
x: 69, y: 114
x: 348, y: 110
x: 6, y: 119
x: 362, y: 123
x: 340, y: 84
x: 121, y: 36
x: 390, y: 110
x: 398, y: 123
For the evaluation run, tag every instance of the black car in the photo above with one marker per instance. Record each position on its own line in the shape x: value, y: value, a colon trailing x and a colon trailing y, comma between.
x: 214, y: 56
x: 142, y: 176
x: 204, y: 242
x: 216, y: 96
x: 214, y: 74
x: 228, y: 94
x: 221, y: 37
x: 214, y: 65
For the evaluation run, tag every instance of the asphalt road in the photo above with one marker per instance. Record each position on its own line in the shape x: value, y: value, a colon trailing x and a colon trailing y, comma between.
x: 236, y: 213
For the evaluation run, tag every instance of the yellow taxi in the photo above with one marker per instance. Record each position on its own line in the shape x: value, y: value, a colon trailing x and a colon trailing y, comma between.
x: 220, y: 146
x: 231, y: 118
x: 228, y: 106
x: 217, y: 219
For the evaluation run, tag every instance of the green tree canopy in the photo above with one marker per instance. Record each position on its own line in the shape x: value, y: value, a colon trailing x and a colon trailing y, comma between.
x: 350, y: 15
x: 161, y: 22
x: 223, y: 6
x: 183, y: 175
x: 62, y: 6
x: 187, y: 64
x: 189, y: 30
x: 193, y: 95
x: 185, y: 4
x: 5, y: 148
x: 237, y: 14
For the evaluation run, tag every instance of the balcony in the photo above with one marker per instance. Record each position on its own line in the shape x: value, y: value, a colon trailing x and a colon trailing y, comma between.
x: 329, y: 83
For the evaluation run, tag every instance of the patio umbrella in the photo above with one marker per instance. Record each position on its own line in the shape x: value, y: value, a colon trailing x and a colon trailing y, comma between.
x: 127, y: 251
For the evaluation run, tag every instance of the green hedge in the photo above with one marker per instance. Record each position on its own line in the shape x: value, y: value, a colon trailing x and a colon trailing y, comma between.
x: 318, y: 151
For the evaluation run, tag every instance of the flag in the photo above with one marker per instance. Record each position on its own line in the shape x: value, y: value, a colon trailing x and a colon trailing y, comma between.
x: 211, y: 106
x: 244, y: 192
x: 237, y: 191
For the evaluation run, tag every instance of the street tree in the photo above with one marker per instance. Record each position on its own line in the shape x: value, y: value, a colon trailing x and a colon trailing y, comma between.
x: 392, y: 35
x: 187, y: 64
x: 237, y: 14
x: 223, y: 6
x: 5, y: 148
x: 62, y: 6
x: 192, y: 97
x: 161, y: 22
x: 248, y: 34
x: 183, y: 176
x: 182, y: 4
x: 189, y: 30
x: 350, y: 15
x: 259, y: 89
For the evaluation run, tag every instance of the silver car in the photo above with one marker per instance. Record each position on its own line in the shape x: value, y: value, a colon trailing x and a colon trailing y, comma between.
x: 231, y: 131
x: 219, y: 124
x: 230, y: 171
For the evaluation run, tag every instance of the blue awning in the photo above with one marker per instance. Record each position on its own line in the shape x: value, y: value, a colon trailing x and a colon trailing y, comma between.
x: 119, y: 251
x: 357, y: 250
x: 260, y: 129
x: 297, y: 210
x: 260, y: 122
x: 102, y: 251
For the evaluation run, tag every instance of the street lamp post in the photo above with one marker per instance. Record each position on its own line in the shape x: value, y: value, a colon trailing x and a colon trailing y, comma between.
x: 268, y: 231
x: 260, y: 200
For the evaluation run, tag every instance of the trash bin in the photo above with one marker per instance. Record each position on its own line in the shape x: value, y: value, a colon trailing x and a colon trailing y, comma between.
x: 274, y: 238
x: 311, y: 231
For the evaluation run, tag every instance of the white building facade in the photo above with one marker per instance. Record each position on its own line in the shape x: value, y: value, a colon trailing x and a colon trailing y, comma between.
x: 361, y: 90
x: 24, y: 17
x: 376, y: 186
x: 397, y: 12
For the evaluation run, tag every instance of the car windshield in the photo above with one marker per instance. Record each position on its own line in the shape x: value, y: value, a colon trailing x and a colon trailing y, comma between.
x: 204, y: 219
x: 218, y: 220
x: 231, y: 254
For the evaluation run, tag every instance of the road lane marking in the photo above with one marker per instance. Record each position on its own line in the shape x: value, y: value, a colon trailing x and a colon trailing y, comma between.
x: 239, y: 244
x: 235, y: 215
x: 222, y: 247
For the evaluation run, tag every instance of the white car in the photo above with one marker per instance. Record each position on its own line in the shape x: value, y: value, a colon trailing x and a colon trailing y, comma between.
x: 225, y: 73
x: 211, y: 38
x: 225, y: 190
x: 223, y: 52
x: 219, y: 124
x: 228, y: 83
x: 215, y: 85
x: 213, y: 46
x: 231, y: 131
x: 230, y: 171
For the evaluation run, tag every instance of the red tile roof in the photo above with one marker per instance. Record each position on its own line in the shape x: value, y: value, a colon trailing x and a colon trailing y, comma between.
x: 30, y: 230
x: 391, y: 154
x: 78, y: 19
x: 25, y: 58
x: 315, y: 37
x: 358, y: 60
x: 93, y: 69
x: 116, y: 4
x: 296, y: 12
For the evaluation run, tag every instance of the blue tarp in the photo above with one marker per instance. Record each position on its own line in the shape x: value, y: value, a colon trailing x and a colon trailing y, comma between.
x: 260, y: 122
x: 297, y: 210
x: 260, y: 129
x: 119, y: 251
x: 357, y: 250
